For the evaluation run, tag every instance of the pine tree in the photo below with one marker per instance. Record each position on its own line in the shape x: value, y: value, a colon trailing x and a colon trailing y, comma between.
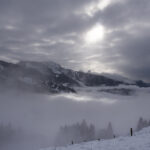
x: 142, y: 123
x: 110, y: 130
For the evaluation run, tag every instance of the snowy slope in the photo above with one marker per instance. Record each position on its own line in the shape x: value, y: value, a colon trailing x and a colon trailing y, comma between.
x: 140, y: 141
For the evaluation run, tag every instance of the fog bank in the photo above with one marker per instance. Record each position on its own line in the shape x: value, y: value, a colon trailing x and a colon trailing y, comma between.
x: 42, y: 115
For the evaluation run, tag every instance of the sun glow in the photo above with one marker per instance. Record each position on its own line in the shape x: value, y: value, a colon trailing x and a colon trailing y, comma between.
x: 94, y: 35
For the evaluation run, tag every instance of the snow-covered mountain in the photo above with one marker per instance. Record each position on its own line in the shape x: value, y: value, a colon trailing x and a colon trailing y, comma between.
x: 51, y: 77
x: 139, y: 141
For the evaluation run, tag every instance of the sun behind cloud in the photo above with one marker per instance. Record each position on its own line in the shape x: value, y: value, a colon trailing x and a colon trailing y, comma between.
x: 95, y: 34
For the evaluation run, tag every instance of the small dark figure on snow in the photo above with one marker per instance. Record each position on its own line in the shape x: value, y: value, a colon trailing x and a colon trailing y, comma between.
x: 131, y: 131
x: 72, y: 142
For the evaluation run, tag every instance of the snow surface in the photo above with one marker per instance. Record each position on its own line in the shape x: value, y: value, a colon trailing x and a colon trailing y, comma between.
x: 139, y: 141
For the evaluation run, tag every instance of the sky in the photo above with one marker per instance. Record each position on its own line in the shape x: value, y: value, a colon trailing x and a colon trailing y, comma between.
x: 99, y: 35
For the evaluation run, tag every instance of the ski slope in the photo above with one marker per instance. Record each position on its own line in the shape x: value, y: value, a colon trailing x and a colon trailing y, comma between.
x: 139, y: 141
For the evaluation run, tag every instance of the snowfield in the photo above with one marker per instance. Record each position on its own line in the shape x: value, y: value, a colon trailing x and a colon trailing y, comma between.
x: 139, y: 141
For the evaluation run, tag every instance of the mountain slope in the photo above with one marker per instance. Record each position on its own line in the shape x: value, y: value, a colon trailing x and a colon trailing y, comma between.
x: 139, y: 141
x: 51, y: 77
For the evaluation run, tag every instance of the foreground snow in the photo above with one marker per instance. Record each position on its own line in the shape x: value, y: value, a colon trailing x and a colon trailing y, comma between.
x: 140, y: 141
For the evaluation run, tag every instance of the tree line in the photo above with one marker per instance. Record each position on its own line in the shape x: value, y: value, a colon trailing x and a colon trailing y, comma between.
x: 82, y: 131
x: 142, y: 123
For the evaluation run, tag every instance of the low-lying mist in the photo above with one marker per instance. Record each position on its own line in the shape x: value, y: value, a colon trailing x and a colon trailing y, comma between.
x: 40, y: 116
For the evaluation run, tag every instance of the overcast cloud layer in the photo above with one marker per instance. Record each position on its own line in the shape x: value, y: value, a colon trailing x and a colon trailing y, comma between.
x: 55, y: 30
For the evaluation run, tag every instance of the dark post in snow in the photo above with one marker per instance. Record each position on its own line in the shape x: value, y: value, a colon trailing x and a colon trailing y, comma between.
x: 131, y: 131
x: 72, y: 142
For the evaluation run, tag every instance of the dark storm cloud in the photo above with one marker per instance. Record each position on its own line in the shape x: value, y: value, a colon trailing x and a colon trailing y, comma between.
x: 128, y: 46
x: 53, y: 30
x: 26, y: 24
x: 135, y: 52
x: 123, y: 13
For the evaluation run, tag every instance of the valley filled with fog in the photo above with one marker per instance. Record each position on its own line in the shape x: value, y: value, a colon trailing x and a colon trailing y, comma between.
x: 38, y: 117
x: 74, y: 72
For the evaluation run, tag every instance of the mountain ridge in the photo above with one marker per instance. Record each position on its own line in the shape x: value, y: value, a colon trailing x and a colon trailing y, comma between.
x: 53, y: 78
